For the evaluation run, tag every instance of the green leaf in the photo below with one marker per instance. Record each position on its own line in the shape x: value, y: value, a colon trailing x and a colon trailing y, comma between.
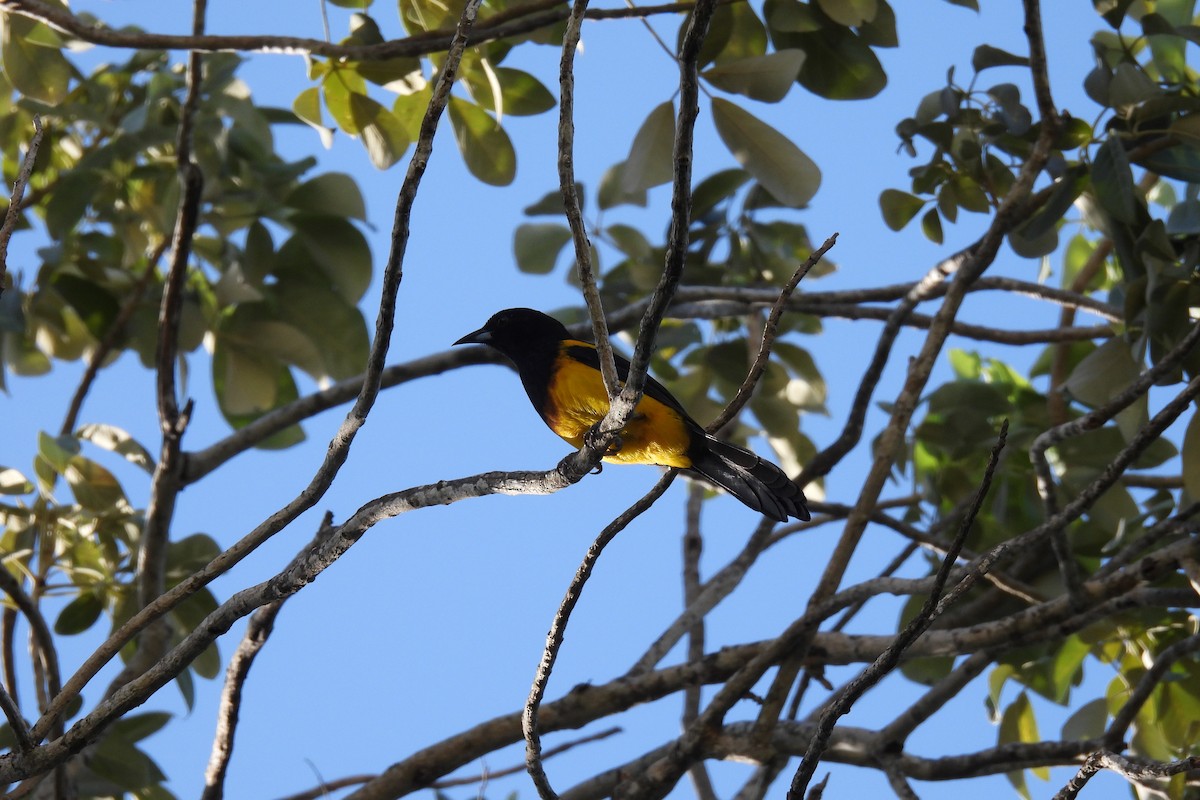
x: 13, y: 482
x: 401, y: 75
x: 1033, y: 246
x: 1088, y: 721
x: 715, y: 189
x: 767, y: 78
x: 931, y: 225
x: 79, y: 614
x: 94, y: 487
x: 611, y: 194
x: 790, y: 16
x: 70, y: 199
x: 383, y: 135
x: 781, y: 167
x: 651, y: 156
x: 326, y: 250
x: 1112, y: 181
x: 57, y: 450
x: 330, y: 193
x: 1191, y: 457
x: 986, y: 57
x: 850, y: 13
x: 631, y: 242
x: 189, y: 554
x: 899, y: 207
x: 1103, y: 374
x: 1018, y: 724
x: 840, y: 65
x: 485, y: 147
x: 249, y: 385
x: 138, y: 726
x: 307, y: 106
x: 36, y: 71
x: 96, y: 306
x: 523, y: 94
x: 341, y: 341
x: 118, y: 441
x: 537, y: 246
x: 339, y: 85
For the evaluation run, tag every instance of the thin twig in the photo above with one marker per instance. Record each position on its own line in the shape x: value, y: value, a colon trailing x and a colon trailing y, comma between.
x: 558, y: 628
x: 693, y: 548
x: 570, y: 195
x: 770, y: 331
x: 13, y: 213
x: 449, y: 783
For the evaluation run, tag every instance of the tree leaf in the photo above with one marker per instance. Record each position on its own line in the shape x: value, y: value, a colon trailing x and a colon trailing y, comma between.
x: 329, y: 193
x: 382, y: 133
x: 34, y: 70
x: 781, y: 167
x: 13, y: 482
x: 537, y: 245
x: 79, y: 614
x: 119, y: 441
x: 326, y: 250
x: 850, y: 13
x: 931, y: 225
x: 840, y: 65
x: 651, y: 162
x: 610, y: 193
x: 1104, y: 373
x: 307, y: 106
x: 485, y: 147
x: 522, y: 93
x: 899, y: 207
x: 986, y: 57
x: 94, y: 487
x: 767, y: 77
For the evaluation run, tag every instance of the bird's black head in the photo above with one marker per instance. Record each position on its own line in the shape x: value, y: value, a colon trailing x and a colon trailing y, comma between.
x: 516, y: 331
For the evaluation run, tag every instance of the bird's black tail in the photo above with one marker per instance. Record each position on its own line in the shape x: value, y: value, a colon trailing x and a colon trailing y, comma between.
x: 759, y: 484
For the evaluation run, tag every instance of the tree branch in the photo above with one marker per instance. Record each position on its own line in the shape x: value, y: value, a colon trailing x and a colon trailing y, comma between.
x: 13, y: 213
x: 558, y: 629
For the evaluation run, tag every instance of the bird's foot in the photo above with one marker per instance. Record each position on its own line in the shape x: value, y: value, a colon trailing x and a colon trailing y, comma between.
x: 593, y: 440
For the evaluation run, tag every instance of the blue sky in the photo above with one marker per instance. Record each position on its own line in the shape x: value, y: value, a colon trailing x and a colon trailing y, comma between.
x: 436, y: 620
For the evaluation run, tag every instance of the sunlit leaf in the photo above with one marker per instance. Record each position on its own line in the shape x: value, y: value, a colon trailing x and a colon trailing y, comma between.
x: 13, y: 482
x: 899, y: 207
x: 94, y: 487
x: 34, y: 70
x: 119, y: 441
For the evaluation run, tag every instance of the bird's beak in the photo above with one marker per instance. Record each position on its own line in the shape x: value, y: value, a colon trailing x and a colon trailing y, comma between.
x: 481, y: 336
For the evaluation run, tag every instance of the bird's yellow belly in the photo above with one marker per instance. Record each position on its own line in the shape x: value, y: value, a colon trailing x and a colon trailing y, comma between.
x: 654, y: 434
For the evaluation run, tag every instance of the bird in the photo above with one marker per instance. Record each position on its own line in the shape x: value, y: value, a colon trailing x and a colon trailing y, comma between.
x: 561, y: 375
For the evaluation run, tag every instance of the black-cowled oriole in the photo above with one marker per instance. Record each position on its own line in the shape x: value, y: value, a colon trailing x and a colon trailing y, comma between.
x: 562, y: 378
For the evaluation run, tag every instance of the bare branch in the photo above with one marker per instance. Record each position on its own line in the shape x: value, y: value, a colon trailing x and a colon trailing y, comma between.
x: 512, y: 22
x: 1133, y: 771
x: 558, y: 629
